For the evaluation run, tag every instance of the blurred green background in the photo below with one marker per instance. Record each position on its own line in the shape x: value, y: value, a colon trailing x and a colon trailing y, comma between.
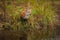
x: 40, y: 25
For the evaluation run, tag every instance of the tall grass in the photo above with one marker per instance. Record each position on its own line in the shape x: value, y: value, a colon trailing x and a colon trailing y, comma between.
x: 40, y: 24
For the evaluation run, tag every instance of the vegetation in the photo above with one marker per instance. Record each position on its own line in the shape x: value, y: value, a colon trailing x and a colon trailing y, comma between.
x: 40, y: 25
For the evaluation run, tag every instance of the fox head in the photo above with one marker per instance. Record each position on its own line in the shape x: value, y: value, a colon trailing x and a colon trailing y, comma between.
x: 26, y: 13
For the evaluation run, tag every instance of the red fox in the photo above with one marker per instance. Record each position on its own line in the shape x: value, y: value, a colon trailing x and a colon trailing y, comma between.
x: 26, y: 13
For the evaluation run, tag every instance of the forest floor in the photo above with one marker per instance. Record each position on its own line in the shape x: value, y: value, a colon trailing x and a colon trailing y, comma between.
x: 9, y: 35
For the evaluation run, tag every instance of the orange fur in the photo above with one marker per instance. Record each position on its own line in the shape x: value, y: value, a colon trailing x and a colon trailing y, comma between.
x: 23, y: 14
